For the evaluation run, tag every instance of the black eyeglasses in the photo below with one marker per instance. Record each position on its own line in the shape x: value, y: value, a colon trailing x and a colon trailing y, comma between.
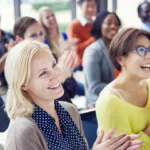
x: 142, y: 51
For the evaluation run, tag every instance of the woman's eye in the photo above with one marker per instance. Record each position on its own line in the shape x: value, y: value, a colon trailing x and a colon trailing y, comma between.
x: 42, y: 74
x: 41, y: 33
x: 33, y: 35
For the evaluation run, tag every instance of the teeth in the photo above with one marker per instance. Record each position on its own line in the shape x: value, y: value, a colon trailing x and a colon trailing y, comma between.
x: 146, y: 65
x: 55, y: 86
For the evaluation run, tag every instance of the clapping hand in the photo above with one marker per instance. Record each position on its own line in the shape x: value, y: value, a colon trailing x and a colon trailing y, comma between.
x: 119, y: 142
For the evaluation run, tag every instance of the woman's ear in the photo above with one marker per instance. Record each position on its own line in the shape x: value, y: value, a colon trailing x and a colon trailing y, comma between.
x: 120, y: 61
x: 23, y: 88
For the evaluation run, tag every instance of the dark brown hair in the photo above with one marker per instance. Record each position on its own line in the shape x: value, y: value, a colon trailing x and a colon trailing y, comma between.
x: 22, y: 24
x: 123, y: 43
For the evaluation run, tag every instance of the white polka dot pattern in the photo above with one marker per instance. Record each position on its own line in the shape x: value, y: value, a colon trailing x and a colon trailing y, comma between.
x: 70, y: 139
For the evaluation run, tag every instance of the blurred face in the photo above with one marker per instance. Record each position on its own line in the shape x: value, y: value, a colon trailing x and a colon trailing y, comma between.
x: 49, y: 19
x: 110, y: 27
x: 88, y: 9
x: 145, y: 13
x: 45, y: 80
x: 35, y: 32
x: 135, y: 64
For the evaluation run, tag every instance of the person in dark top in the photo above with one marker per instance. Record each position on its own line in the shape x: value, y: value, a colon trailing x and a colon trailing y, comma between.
x: 5, y: 38
x: 4, y: 120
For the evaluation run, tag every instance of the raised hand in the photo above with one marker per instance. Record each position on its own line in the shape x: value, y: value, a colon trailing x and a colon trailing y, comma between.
x: 66, y: 63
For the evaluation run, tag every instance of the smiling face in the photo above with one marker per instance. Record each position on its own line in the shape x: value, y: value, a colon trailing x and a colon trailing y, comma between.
x: 110, y: 27
x: 45, y: 81
x: 34, y: 32
x: 134, y: 64
x: 49, y: 19
x: 88, y: 9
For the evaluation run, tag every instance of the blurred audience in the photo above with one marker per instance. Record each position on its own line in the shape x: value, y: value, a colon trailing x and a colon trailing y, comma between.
x: 144, y: 14
x: 98, y: 68
x: 80, y: 29
x: 5, y: 38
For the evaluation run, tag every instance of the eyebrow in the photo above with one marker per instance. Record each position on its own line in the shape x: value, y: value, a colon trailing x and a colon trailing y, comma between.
x: 142, y: 46
x: 54, y: 61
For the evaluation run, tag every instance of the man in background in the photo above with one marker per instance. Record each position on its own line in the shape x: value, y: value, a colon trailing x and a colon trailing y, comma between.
x: 80, y: 29
x: 144, y: 14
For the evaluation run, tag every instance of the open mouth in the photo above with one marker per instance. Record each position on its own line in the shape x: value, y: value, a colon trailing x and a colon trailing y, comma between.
x: 146, y: 67
x: 112, y: 32
x: 54, y: 87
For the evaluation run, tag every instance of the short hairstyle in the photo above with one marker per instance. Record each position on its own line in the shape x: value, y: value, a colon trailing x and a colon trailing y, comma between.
x: 80, y: 2
x: 139, y: 9
x: 22, y: 24
x: 123, y: 43
x: 96, y: 30
x: 17, y: 72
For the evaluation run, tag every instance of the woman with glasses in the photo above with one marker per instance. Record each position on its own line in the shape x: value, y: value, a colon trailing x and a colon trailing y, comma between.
x: 124, y: 104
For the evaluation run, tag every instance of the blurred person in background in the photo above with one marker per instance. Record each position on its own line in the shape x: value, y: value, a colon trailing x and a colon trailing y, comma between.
x: 80, y: 28
x: 98, y: 68
x: 53, y: 37
x: 144, y: 14
x: 5, y: 38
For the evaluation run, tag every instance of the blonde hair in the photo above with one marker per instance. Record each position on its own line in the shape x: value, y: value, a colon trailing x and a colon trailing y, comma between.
x: 41, y: 10
x: 17, y: 72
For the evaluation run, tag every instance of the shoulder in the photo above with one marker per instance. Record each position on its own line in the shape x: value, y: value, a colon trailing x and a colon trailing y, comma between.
x: 24, y: 134
x: 23, y: 127
x: 93, y: 51
x: 95, y: 46
x: 75, y: 23
x: 108, y: 99
x: 69, y: 107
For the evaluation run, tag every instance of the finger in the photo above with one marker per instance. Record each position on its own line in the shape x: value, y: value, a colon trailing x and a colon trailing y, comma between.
x: 138, y: 142
x: 109, y: 135
x: 120, y: 143
x: 99, y: 139
x: 135, y: 147
x: 124, y: 146
x: 115, y: 139
x: 134, y: 136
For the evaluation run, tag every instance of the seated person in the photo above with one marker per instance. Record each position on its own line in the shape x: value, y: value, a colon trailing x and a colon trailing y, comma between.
x: 124, y: 103
x: 98, y: 68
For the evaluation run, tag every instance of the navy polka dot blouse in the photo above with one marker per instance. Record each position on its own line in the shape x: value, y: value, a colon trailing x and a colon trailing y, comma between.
x: 70, y: 139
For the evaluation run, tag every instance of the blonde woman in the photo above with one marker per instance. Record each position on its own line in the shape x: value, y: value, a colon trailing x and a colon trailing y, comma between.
x: 54, y: 38
x: 39, y: 122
